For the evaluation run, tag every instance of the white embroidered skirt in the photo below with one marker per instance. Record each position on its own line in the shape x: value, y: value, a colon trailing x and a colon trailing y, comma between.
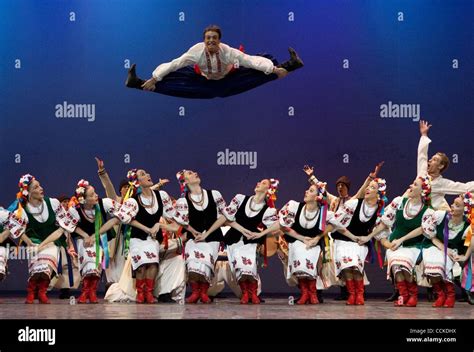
x: 302, y: 262
x: 201, y: 258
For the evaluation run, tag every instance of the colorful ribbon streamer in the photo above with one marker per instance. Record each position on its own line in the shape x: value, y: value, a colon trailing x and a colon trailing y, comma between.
x: 100, y: 241
x: 127, y: 231
x: 105, y: 249
x: 446, y: 240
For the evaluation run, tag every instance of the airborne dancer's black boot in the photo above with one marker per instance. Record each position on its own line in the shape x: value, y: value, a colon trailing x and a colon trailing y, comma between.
x: 132, y: 80
x: 293, y: 63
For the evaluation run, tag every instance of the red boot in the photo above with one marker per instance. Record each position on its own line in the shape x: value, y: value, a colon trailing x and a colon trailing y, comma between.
x: 413, y: 293
x: 244, y: 299
x: 149, y: 287
x: 86, y: 283
x: 30, y: 289
x: 313, y: 297
x: 403, y: 294
x: 351, y: 288
x: 195, y: 294
x: 450, y: 295
x: 303, y: 285
x: 94, y: 283
x: 438, y: 288
x: 42, y: 289
x: 139, y: 284
x: 253, y: 287
x: 359, y: 290
x: 204, y: 297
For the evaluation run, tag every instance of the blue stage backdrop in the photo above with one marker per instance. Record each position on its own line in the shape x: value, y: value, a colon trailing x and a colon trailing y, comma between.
x: 361, y: 59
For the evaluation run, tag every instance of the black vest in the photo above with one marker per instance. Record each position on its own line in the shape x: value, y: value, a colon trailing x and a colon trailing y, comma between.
x: 357, y: 227
x: 89, y: 227
x: 312, y: 232
x: 203, y: 220
x: 147, y: 219
x: 250, y: 223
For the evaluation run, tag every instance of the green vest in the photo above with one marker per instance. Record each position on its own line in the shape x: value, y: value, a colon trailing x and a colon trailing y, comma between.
x: 455, y: 243
x: 38, y: 232
x: 404, y: 227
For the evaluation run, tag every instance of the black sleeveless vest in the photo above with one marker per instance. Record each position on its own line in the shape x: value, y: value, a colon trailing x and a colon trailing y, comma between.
x: 203, y: 220
x: 147, y: 219
x: 357, y: 227
x: 89, y: 227
x: 250, y: 223
x: 312, y: 232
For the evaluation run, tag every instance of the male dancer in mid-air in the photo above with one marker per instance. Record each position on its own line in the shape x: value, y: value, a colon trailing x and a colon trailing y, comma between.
x: 213, y: 69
